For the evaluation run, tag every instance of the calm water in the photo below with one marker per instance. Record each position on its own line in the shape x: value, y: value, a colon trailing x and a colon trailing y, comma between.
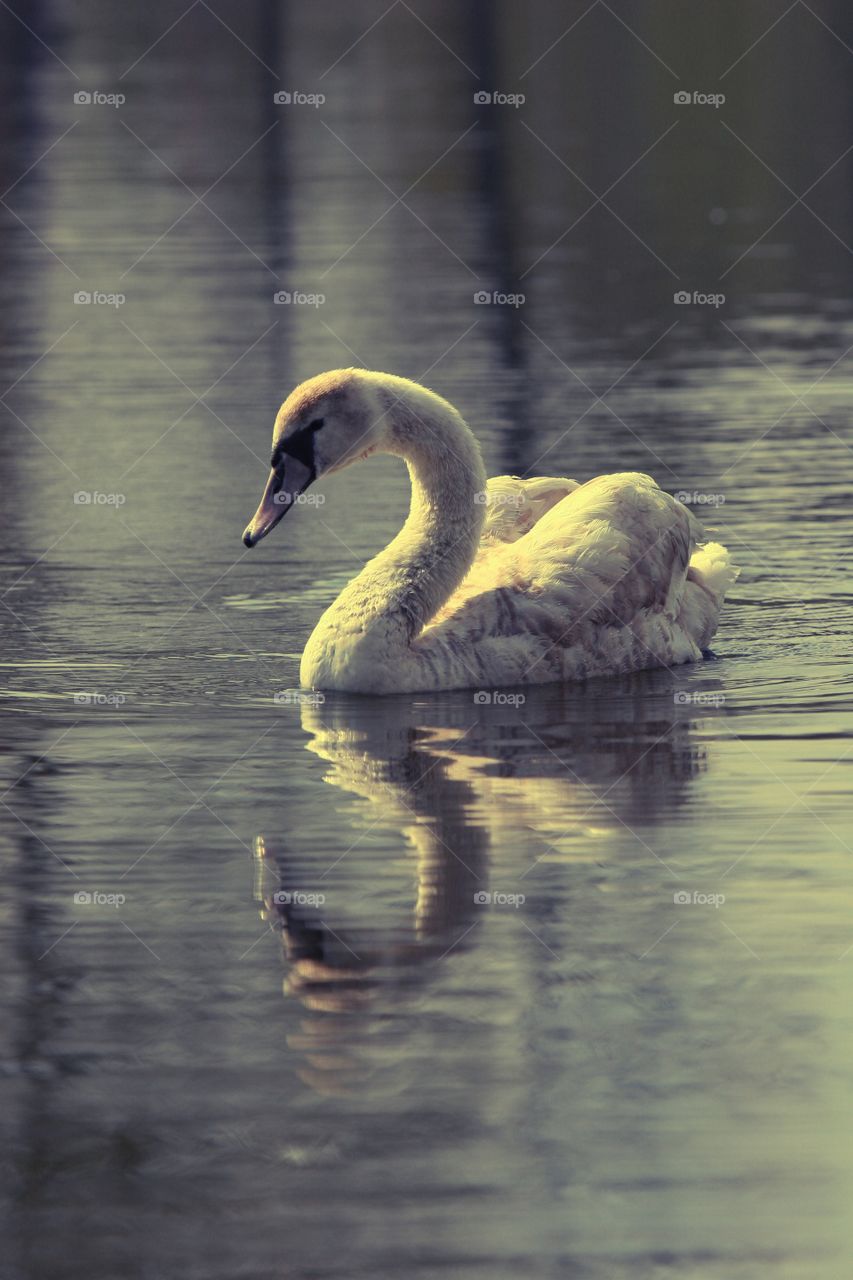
x: 280, y: 1035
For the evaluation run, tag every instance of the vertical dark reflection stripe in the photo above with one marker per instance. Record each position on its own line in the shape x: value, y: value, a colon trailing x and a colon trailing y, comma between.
x: 499, y: 262
x: 273, y: 20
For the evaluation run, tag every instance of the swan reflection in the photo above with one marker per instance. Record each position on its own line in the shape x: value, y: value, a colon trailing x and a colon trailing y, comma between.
x: 563, y: 777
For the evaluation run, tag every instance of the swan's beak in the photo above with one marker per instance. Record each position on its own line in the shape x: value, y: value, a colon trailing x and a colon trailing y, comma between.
x: 285, y: 484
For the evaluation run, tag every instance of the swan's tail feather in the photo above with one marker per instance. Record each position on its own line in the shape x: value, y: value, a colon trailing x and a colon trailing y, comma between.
x: 711, y: 566
x: 709, y: 576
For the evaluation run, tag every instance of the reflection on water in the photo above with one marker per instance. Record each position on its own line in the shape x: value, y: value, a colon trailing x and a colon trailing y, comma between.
x: 633, y: 1059
x: 451, y: 785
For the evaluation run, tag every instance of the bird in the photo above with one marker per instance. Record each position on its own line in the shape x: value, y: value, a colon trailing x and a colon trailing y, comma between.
x: 489, y: 583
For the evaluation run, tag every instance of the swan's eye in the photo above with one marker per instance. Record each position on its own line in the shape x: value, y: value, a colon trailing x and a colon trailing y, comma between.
x: 316, y: 424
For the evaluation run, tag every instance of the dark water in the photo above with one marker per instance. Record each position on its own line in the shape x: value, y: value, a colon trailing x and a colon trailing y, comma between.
x: 383, y: 1076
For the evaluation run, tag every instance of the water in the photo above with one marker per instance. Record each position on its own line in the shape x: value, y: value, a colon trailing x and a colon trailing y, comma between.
x: 641, y: 1068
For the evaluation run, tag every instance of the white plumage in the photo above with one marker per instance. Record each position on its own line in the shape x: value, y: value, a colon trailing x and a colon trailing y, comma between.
x: 509, y: 582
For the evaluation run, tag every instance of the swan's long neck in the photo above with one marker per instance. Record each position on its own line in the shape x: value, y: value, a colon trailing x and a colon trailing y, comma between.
x: 370, y: 627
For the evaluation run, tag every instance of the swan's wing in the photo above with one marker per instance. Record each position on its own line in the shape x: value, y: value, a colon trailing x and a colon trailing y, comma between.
x: 614, y: 552
x: 617, y: 546
x: 513, y: 506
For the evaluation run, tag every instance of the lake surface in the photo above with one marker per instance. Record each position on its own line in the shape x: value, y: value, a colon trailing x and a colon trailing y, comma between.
x: 258, y: 1018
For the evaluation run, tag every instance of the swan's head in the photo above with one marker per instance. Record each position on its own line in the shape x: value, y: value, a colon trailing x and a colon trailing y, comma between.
x: 325, y: 424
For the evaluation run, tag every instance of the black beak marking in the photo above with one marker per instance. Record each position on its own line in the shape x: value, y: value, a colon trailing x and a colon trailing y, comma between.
x: 300, y: 446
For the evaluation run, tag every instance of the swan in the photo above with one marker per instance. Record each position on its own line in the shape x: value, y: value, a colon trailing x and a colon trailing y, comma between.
x: 488, y: 584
